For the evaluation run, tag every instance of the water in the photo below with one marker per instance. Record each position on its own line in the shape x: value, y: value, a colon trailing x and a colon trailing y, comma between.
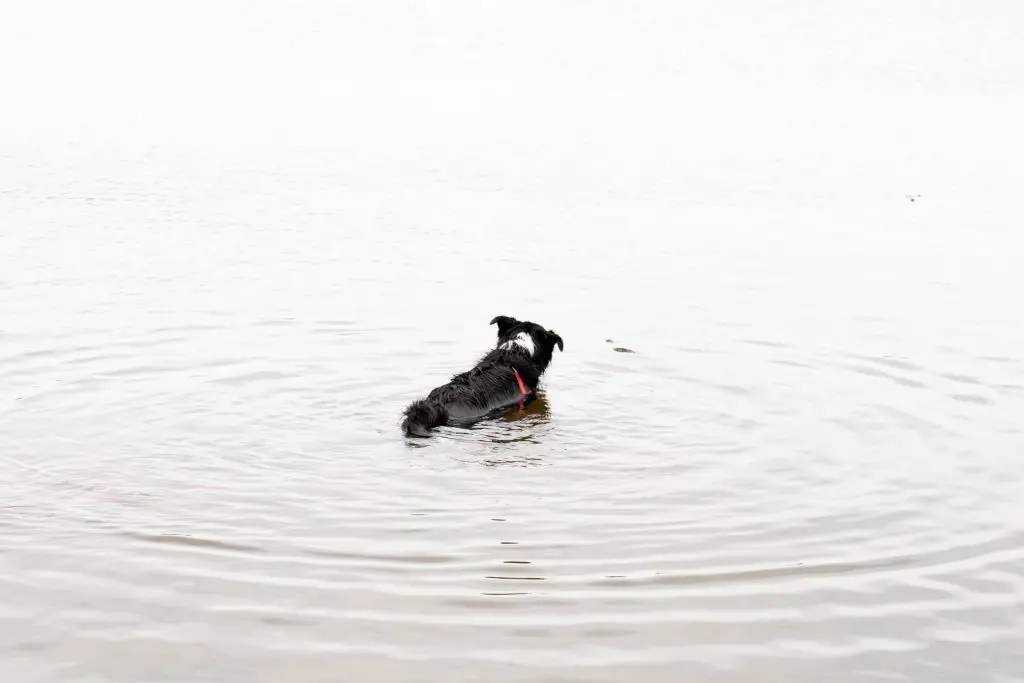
x: 236, y: 240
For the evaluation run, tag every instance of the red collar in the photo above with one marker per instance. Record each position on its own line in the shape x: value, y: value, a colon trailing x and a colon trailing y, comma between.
x: 522, y: 387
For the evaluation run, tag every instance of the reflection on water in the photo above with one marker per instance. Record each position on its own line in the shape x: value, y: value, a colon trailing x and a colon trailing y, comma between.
x: 527, y: 425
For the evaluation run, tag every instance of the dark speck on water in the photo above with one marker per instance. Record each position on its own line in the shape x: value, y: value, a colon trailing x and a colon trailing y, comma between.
x: 620, y: 349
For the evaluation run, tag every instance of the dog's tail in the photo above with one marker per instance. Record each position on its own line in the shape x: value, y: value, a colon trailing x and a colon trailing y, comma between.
x: 422, y: 416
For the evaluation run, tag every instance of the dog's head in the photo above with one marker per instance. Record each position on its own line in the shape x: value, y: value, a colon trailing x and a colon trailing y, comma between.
x: 534, y: 339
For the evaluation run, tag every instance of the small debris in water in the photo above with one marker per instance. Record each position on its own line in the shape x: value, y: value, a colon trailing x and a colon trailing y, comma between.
x: 620, y: 349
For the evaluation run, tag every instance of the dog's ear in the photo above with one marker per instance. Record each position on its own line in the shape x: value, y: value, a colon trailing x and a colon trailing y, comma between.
x: 558, y: 340
x: 504, y: 323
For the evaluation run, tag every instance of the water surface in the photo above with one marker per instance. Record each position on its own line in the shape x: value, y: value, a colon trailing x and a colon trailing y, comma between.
x: 236, y: 240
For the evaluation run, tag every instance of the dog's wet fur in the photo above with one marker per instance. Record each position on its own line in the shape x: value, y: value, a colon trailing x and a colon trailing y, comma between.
x: 522, y: 347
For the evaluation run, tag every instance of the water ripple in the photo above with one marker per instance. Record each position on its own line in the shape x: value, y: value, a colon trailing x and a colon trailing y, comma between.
x: 225, y: 491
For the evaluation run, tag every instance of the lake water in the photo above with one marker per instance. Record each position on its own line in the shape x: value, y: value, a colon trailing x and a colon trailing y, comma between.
x: 237, y: 239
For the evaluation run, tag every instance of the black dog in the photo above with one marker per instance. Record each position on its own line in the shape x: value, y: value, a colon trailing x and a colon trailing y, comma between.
x: 507, y: 375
